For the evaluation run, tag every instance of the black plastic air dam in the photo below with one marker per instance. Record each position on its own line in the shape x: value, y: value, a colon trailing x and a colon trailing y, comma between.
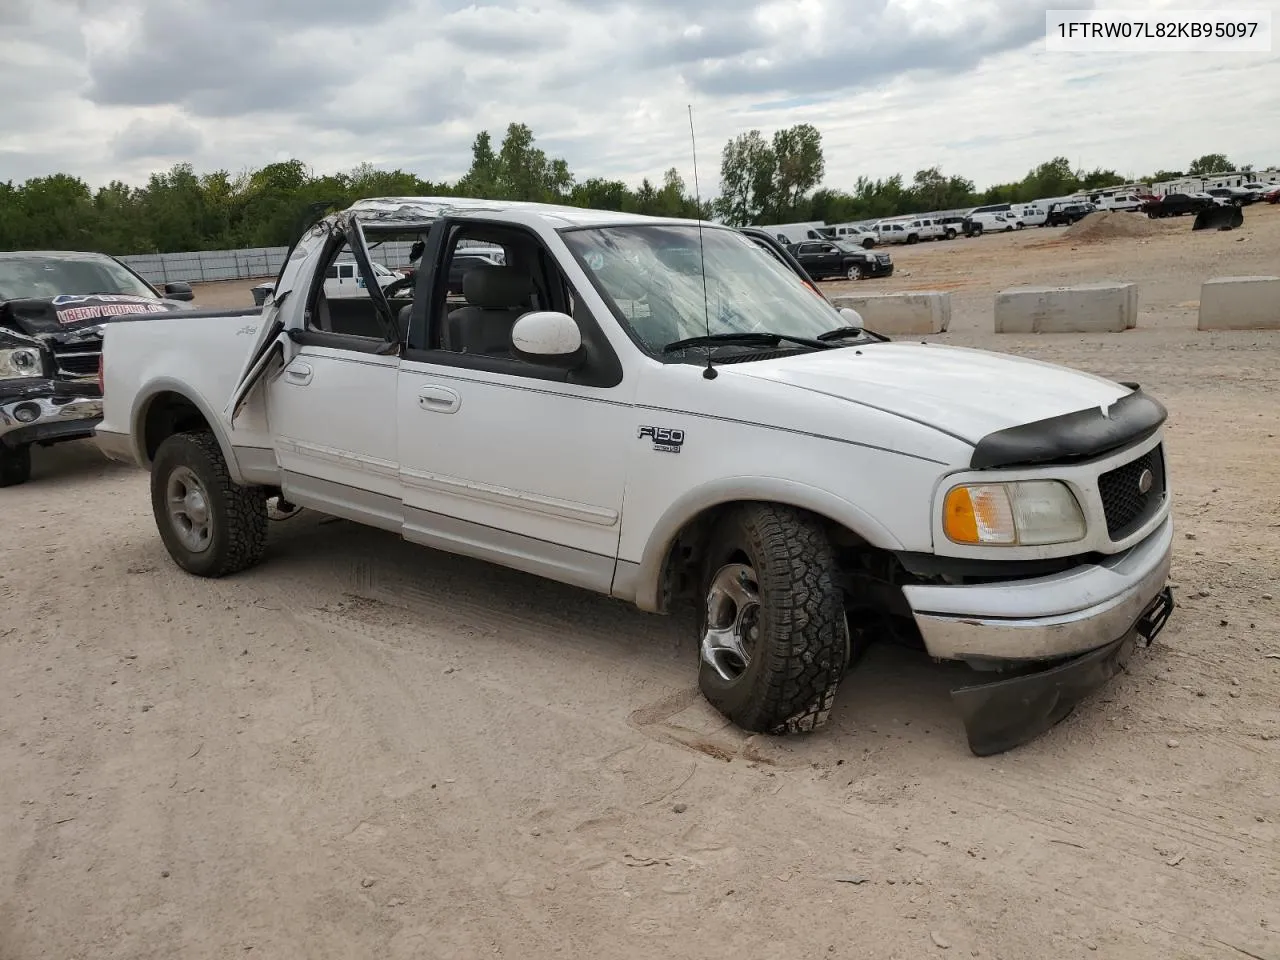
x: 1081, y: 435
x: 1004, y: 714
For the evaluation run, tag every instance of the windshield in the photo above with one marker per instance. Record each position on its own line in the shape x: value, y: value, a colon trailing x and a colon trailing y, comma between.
x: 652, y: 277
x: 39, y: 277
x: 847, y: 247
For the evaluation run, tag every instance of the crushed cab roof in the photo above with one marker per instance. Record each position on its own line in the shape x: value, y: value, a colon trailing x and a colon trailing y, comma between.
x: 420, y: 209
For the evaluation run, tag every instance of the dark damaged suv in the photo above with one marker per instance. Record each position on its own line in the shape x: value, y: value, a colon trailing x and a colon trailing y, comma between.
x: 52, y: 309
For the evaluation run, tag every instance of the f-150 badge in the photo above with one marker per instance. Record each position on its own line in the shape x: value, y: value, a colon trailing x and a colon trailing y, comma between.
x: 665, y: 439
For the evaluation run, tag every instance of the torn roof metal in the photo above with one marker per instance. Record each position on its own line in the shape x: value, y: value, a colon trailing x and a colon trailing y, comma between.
x: 417, y: 210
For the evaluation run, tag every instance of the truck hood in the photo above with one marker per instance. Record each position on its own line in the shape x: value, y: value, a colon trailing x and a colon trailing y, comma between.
x: 964, y: 393
x: 62, y: 315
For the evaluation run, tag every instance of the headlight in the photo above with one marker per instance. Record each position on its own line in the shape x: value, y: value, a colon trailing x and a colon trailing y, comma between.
x: 22, y: 362
x: 1022, y: 514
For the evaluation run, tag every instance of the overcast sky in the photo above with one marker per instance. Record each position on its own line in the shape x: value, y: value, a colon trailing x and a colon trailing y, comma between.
x: 117, y: 88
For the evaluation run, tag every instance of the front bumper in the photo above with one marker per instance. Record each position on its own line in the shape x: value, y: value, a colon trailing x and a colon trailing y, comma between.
x: 1044, y: 618
x: 1049, y: 641
x: 47, y: 417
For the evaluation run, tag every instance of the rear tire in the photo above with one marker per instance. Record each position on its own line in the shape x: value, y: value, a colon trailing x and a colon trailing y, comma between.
x: 210, y: 525
x: 15, y: 465
x: 773, y: 639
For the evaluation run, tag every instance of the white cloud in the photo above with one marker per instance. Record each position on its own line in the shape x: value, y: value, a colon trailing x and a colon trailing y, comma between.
x: 115, y: 88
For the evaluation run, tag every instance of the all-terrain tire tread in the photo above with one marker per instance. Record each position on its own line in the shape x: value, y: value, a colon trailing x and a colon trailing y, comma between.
x: 803, y: 613
x: 245, y: 509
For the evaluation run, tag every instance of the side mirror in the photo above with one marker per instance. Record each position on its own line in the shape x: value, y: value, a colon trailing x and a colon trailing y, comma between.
x: 852, y: 317
x: 548, y: 338
x: 178, y: 290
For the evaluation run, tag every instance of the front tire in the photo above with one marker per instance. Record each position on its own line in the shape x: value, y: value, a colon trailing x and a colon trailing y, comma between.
x: 774, y: 641
x: 15, y: 465
x: 950, y: 234
x: 868, y: 243
x: 210, y: 525
x: 854, y: 272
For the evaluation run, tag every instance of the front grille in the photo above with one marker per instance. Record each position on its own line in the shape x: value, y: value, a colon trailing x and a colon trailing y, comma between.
x: 1124, y: 504
x: 78, y: 359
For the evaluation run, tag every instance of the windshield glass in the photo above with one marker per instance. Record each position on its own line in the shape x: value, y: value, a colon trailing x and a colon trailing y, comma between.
x: 652, y: 276
x: 39, y: 277
x: 847, y: 247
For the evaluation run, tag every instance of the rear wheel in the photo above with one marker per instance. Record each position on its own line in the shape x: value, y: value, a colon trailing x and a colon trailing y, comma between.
x: 15, y: 465
x: 210, y: 525
x: 774, y: 641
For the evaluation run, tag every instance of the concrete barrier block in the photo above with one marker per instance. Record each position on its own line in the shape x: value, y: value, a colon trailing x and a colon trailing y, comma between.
x: 1240, y: 303
x: 1085, y: 308
x: 901, y: 314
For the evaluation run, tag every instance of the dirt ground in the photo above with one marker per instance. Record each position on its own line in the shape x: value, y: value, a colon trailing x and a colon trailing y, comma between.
x: 367, y: 749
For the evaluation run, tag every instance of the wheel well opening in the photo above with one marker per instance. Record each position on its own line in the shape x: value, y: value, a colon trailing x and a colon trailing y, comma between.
x: 167, y: 414
x: 870, y: 577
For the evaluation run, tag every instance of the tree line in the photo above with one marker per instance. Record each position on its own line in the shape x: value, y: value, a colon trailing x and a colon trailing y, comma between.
x: 763, y: 180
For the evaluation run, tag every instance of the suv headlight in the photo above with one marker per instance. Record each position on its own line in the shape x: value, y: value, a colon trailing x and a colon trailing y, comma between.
x: 1020, y: 514
x: 20, y: 362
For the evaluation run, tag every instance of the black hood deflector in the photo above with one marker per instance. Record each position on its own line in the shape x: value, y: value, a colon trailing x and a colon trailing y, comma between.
x: 1082, y: 435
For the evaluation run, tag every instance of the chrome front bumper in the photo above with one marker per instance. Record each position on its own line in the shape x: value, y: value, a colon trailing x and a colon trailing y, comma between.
x: 1044, y: 618
x: 35, y: 413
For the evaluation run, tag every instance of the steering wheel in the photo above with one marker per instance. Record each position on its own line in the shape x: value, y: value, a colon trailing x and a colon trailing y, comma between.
x: 396, y: 286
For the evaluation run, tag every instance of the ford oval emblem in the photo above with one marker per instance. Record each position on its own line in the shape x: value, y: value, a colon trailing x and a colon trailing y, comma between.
x: 1146, y: 480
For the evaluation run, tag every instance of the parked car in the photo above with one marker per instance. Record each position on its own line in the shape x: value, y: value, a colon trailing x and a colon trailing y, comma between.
x: 1237, y: 195
x: 751, y: 454
x: 969, y: 222
x: 1030, y: 215
x: 1065, y: 214
x: 1272, y: 195
x: 980, y: 223
x: 834, y: 260
x: 1177, y: 205
x: 53, y: 308
x: 848, y: 233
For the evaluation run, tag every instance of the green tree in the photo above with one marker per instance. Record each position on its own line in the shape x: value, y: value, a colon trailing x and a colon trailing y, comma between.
x: 747, y: 166
x: 1209, y: 164
x: 798, y: 168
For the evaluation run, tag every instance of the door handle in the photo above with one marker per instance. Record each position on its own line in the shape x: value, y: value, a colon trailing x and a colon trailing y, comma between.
x: 439, y: 400
x: 299, y: 373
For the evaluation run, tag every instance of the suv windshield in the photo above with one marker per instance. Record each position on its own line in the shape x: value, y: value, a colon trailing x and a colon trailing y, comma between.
x: 652, y: 278
x: 39, y: 277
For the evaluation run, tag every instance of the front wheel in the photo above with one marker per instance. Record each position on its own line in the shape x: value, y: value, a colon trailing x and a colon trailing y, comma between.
x: 774, y: 641
x: 868, y: 243
x: 854, y: 272
x: 950, y: 234
x: 210, y: 524
x: 15, y: 465
x: 913, y: 239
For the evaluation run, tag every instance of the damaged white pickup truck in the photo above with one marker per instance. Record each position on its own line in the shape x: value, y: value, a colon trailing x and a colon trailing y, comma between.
x: 660, y: 411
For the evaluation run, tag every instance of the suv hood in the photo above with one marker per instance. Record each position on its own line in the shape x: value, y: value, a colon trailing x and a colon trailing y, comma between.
x: 964, y: 393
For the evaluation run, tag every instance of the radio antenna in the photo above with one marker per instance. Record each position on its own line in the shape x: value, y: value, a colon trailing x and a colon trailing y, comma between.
x: 710, y: 372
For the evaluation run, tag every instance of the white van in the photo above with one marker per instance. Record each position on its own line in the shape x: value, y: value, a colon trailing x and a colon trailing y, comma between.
x: 342, y: 279
x: 1031, y: 215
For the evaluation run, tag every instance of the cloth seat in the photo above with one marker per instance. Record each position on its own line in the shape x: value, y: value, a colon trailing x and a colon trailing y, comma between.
x: 497, y: 296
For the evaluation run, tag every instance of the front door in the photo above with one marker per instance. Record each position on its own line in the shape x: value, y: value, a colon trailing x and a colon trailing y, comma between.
x: 501, y: 458
x: 332, y: 408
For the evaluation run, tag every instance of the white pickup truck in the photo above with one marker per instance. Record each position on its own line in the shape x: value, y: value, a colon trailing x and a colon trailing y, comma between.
x: 913, y: 231
x: 664, y: 412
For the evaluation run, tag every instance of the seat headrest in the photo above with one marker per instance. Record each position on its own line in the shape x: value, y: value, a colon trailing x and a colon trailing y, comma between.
x: 492, y: 287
